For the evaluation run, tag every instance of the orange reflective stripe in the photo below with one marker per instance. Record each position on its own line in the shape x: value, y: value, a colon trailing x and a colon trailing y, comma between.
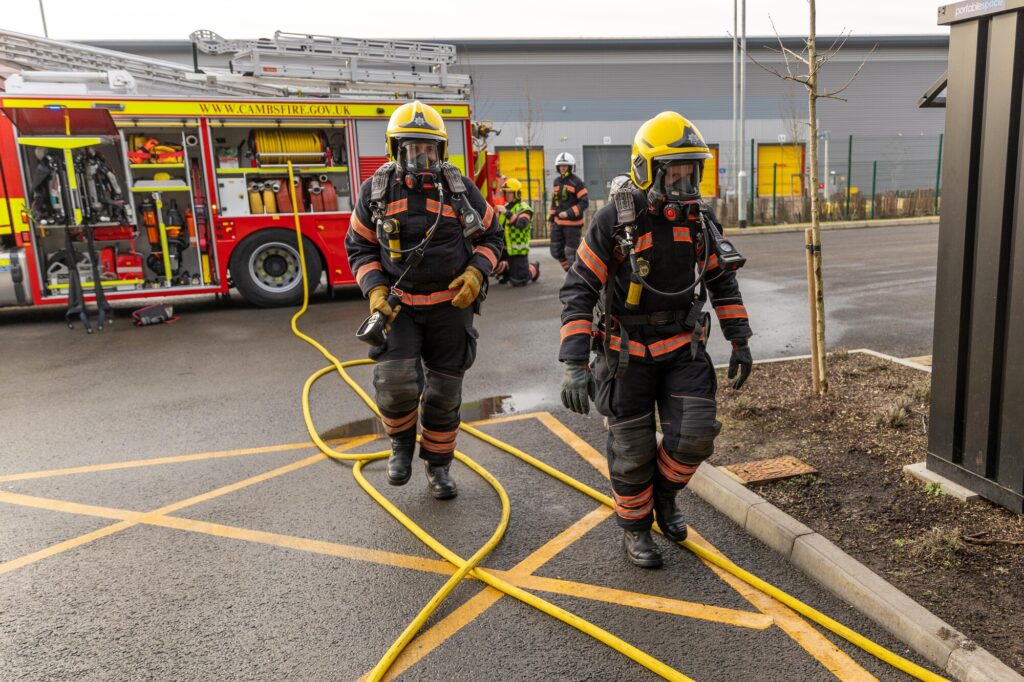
x: 677, y: 472
x: 634, y: 506
x: 447, y: 211
x: 362, y: 230
x: 488, y: 254
x: 398, y: 206
x: 488, y: 217
x: 593, y: 263
x: 569, y: 188
x: 575, y: 327
x: 729, y: 312
x: 366, y: 269
x: 429, y: 299
x: 713, y: 262
x: 582, y: 193
x: 438, y: 441
x: 635, y: 347
x: 398, y: 424
x: 681, y: 234
x: 670, y: 344
x: 644, y: 242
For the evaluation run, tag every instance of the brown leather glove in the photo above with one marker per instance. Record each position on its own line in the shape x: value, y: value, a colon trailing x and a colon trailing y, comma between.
x: 379, y: 301
x: 468, y: 284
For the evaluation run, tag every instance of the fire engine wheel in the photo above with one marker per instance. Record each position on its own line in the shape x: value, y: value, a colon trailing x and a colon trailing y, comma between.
x: 266, y: 270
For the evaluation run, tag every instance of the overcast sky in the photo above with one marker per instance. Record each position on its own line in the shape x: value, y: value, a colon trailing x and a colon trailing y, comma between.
x: 138, y: 20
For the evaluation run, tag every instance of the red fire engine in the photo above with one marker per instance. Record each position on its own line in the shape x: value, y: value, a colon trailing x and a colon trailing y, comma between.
x: 185, y: 196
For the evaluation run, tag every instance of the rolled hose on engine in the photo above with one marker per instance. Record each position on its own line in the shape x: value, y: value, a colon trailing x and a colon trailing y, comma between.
x: 470, y: 567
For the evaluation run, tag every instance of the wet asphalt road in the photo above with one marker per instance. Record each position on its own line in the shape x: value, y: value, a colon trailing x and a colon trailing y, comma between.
x: 198, y: 596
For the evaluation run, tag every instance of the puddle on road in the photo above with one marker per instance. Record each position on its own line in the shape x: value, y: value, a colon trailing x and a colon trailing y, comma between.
x: 472, y: 411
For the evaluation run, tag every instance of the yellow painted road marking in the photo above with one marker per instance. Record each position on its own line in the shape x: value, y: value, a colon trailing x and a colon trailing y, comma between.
x: 582, y: 447
x: 131, y: 464
x: 834, y: 659
x: 799, y: 630
x: 744, y: 619
x: 20, y: 562
x: 117, y: 527
x: 552, y: 547
x: 437, y: 635
x: 306, y: 545
x: 838, y: 662
x: 68, y: 507
x: 519, y: 576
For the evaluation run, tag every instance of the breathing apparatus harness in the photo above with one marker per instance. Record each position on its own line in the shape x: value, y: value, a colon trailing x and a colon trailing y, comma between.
x: 374, y: 329
x: 625, y: 236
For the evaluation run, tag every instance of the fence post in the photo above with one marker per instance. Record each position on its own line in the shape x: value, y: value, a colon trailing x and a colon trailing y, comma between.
x: 752, y: 204
x: 874, y: 176
x: 775, y: 170
x: 529, y: 183
x: 849, y: 174
x: 938, y: 175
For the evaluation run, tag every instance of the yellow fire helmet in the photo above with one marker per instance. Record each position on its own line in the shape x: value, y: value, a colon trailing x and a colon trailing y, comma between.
x: 418, y: 121
x: 666, y: 137
x: 512, y: 185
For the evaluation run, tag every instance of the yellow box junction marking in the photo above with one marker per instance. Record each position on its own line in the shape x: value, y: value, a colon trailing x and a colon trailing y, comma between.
x: 772, y: 612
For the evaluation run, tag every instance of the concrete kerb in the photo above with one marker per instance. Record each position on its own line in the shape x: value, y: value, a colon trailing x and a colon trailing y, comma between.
x: 800, y: 227
x: 924, y: 632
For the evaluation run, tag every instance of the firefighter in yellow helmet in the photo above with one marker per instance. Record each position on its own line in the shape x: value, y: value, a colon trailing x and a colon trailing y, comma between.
x: 516, y: 218
x: 421, y: 244
x: 653, y: 256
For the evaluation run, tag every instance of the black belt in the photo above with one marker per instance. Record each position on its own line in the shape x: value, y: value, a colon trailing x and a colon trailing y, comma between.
x: 655, y: 319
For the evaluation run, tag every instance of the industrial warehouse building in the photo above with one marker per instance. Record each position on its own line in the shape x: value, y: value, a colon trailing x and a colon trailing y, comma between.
x: 588, y: 96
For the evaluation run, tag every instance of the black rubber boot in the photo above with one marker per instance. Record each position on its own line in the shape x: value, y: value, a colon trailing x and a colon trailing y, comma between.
x: 442, y: 486
x: 400, y: 461
x: 536, y: 271
x: 669, y: 518
x: 640, y: 548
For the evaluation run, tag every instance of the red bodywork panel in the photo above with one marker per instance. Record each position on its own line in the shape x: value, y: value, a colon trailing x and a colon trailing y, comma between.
x: 326, y: 230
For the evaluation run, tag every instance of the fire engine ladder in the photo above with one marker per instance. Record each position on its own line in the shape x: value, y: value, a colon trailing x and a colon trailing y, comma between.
x: 345, y: 63
x: 41, y: 54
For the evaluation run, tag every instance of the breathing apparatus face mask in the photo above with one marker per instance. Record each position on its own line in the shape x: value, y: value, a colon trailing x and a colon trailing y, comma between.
x: 420, y: 163
x: 675, y: 192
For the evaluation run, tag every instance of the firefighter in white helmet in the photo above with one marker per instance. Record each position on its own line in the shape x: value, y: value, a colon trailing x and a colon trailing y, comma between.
x: 565, y: 218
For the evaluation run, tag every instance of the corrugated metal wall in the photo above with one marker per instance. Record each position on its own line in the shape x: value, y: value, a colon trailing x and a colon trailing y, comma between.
x: 567, y: 95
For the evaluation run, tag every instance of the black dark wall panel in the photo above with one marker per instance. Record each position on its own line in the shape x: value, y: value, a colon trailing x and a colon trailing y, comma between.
x: 956, y: 240
x: 988, y: 303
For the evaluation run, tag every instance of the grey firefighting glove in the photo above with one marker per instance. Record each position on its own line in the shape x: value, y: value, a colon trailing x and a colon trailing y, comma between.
x: 741, y: 361
x: 575, y: 387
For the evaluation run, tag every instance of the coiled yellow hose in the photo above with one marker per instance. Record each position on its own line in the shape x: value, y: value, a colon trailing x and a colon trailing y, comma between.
x: 277, y: 147
x: 470, y: 567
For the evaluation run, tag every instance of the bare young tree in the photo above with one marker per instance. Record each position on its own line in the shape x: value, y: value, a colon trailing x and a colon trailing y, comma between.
x: 810, y: 62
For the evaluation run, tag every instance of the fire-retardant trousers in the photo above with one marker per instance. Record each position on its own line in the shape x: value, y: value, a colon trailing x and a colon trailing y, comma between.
x: 425, y: 357
x: 564, y: 242
x: 683, y: 388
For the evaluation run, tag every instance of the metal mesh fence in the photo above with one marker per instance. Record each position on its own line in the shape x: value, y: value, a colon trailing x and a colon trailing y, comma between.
x: 863, y: 178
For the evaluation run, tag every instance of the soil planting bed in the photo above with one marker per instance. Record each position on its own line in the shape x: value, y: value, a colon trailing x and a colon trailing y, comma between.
x: 956, y: 559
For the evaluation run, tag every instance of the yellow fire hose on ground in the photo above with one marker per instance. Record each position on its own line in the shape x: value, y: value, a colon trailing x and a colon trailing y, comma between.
x: 470, y: 567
